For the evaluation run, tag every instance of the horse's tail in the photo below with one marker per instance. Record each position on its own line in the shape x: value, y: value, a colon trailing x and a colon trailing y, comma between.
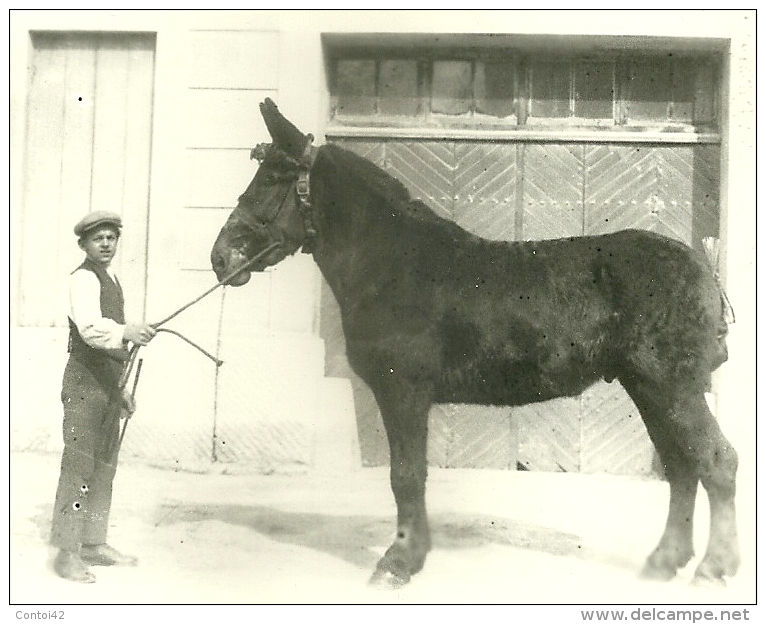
x: 711, y: 247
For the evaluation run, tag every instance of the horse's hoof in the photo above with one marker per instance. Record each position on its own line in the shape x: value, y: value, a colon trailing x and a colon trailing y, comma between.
x: 708, y: 582
x: 663, y: 563
x: 653, y: 572
x: 385, y: 579
x: 713, y: 570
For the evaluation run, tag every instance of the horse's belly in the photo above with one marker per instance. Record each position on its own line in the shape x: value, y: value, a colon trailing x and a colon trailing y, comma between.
x: 518, y: 382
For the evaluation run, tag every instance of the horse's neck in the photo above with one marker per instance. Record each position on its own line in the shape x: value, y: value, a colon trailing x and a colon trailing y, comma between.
x: 351, y: 232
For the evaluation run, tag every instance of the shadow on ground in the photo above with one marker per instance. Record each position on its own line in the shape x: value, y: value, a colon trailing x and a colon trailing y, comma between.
x: 360, y: 540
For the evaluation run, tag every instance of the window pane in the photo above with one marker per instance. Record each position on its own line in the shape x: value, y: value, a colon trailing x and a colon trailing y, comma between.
x: 705, y: 93
x: 550, y: 90
x: 648, y: 90
x: 594, y: 93
x: 452, y: 92
x: 398, y: 87
x: 355, y: 84
x: 494, y: 88
x: 682, y: 96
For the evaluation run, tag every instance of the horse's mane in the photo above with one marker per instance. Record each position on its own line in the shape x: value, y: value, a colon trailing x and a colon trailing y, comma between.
x: 394, y: 194
x: 376, y: 179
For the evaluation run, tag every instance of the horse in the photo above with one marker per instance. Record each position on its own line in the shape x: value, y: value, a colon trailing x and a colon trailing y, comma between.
x: 434, y: 314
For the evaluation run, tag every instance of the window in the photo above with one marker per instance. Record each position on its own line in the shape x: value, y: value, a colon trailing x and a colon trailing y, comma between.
x: 513, y: 90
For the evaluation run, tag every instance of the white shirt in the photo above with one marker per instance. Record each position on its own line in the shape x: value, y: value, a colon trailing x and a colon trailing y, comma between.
x: 85, y: 310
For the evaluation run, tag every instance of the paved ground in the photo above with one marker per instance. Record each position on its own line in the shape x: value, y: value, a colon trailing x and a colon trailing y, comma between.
x: 499, y: 537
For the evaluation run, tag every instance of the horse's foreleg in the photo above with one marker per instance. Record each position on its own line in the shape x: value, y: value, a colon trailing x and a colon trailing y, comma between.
x: 405, y: 415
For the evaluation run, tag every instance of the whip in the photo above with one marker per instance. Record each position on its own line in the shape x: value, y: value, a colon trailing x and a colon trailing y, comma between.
x: 134, y: 350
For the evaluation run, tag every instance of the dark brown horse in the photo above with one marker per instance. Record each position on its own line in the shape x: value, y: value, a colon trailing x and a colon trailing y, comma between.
x: 434, y: 314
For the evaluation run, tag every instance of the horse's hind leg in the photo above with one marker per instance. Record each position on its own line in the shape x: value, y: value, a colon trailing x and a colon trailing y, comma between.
x: 405, y: 415
x: 692, y: 448
x: 675, y: 548
x: 718, y: 468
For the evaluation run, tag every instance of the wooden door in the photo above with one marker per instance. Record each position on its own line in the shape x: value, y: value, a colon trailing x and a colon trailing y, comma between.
x: 88, y: 145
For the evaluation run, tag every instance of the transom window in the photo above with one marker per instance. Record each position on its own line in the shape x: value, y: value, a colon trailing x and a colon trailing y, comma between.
x: 637, y: 91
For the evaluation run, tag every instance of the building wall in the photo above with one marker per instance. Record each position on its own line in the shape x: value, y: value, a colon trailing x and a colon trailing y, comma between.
x: 211, y: 70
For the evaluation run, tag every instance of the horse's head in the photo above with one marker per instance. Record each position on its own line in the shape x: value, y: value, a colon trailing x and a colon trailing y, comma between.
x: 274, y: 209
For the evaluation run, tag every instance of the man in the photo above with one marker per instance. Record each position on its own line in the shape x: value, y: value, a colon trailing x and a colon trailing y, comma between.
x: 93, y: 403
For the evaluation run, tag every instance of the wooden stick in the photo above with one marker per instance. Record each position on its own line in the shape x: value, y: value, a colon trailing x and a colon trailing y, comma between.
x: 133, y: 395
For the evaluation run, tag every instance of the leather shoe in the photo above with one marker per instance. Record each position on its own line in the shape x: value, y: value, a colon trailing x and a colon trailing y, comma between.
x: 105, y: 555
x: 69, y: 565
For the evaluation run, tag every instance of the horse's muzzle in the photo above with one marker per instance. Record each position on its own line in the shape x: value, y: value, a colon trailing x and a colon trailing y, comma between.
x: 226, y: 264
x: 240, y: 279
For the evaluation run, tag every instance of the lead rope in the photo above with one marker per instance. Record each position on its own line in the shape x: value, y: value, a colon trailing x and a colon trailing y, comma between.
x: 127, y: 369
x: 128, y: 366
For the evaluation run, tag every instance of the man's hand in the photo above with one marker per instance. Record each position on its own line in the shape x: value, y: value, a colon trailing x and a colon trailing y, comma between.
x: 139, y: 334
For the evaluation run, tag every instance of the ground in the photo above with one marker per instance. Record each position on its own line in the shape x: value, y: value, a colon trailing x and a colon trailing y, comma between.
x: 498, y: 537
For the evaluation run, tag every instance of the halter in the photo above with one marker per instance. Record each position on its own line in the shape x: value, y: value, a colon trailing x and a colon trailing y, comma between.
x: 302, y: 184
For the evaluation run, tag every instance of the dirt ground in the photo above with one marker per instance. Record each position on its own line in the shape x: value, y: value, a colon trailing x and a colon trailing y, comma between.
x: 498, y: 537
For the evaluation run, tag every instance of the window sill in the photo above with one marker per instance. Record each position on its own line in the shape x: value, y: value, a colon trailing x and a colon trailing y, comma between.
x: 521, y: 134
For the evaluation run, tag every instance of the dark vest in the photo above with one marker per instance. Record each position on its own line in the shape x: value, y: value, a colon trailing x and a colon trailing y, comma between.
x: 101, y: 361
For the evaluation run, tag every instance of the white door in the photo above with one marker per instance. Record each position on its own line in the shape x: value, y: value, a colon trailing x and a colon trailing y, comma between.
x: 88, y: 146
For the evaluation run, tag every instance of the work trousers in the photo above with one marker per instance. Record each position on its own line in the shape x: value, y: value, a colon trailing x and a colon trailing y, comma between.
x: 91, y: 432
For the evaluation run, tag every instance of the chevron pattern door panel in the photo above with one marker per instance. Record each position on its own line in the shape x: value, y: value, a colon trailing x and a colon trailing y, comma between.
x: 634, y: 187
x: 613, y: 438
x: 485, y: 187
x: 549, y: 435
x: 553, y: 191
x: 471, y: 436
x: 373, y: 151
x: 427, y: 169
x: 672, y: 190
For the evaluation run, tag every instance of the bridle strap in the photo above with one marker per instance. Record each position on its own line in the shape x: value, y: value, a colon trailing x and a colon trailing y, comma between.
x: 303, y: 189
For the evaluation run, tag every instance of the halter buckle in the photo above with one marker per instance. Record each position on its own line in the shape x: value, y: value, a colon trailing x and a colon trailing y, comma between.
x: 303, y: 189
x: 302, y: 185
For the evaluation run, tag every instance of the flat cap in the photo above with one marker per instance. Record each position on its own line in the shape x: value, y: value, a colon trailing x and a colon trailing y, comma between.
x: 96, y: 218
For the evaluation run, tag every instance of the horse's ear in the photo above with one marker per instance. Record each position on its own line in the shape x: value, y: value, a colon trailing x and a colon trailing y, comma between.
x: 285, y: 135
